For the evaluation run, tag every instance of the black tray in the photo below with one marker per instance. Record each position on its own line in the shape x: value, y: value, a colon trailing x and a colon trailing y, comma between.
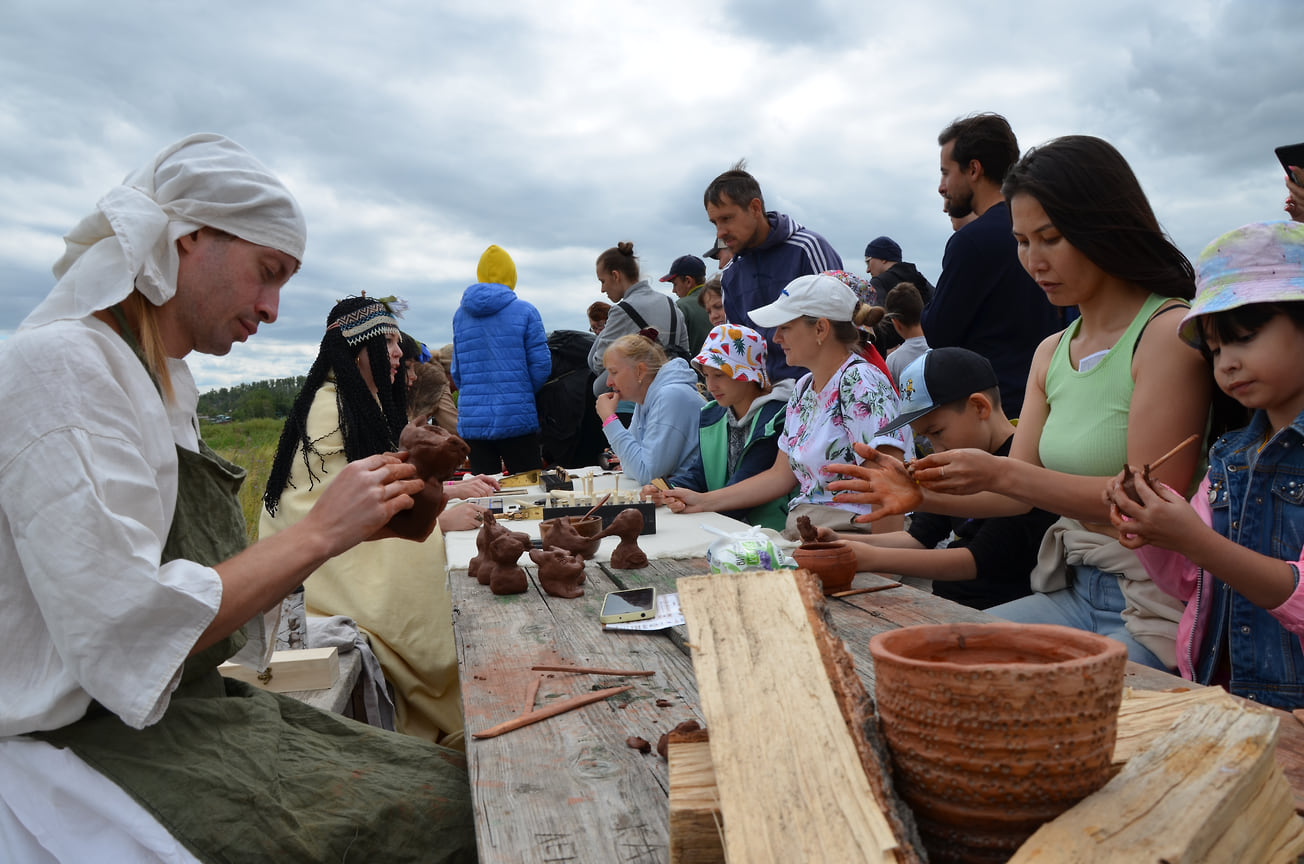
x: 608, y: 512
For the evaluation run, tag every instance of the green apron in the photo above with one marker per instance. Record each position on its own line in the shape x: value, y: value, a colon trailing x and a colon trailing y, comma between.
x: 239, y: 774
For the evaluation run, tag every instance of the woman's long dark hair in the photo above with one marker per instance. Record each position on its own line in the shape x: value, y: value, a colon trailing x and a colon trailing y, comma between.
x: 369, y: 425
x: 1092, y: 197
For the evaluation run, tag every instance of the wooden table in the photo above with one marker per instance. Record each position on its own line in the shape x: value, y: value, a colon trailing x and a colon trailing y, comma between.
x: 568, y: 788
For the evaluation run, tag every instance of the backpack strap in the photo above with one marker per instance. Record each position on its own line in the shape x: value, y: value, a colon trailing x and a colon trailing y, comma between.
x: 633, y: 314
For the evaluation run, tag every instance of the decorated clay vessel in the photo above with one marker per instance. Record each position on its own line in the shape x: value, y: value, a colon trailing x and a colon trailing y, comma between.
x: 834, y: 563
x: 578, y: 534
x: 995, y: 729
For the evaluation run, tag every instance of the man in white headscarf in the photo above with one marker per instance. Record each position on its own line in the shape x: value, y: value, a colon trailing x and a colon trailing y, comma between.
x: 123, y: 581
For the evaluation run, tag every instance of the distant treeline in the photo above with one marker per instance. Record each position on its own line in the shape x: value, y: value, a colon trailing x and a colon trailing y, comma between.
x: 272, y: 398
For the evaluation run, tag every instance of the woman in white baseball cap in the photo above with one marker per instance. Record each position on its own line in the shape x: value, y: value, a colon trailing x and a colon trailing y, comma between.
x: 842, y: 400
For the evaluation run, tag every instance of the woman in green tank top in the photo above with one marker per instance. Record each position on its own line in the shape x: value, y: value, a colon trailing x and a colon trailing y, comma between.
x: 1116, y: 386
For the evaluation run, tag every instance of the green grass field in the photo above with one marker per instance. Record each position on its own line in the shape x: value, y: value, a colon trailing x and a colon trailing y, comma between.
x: 251, y: 444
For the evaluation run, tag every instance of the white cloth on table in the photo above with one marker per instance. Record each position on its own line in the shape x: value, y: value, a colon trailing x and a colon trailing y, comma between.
x: 340, y: 631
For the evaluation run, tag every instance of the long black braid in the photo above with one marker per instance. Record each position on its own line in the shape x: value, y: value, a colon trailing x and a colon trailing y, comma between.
x: 355, y: 324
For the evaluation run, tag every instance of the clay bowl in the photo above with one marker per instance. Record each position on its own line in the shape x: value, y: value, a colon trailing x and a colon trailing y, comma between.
x: 834, y: 563
x: 995, y: 729
x: 588, y: 527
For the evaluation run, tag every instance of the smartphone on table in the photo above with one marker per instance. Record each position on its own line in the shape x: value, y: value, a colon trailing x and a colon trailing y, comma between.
x: 633, y: 604
x: 1292, y: 154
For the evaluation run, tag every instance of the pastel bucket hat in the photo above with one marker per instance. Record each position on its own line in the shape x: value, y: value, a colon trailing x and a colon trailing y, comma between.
x: 1262, y: 262
x: 735, y: 350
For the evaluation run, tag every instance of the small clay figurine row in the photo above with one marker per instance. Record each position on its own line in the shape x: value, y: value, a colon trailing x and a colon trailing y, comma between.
x: 560, y: 562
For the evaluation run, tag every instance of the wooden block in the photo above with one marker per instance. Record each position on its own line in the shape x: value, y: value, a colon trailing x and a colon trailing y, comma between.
x: 695, y: 822
x: 302, y: 669
x: 801, y: 772
x: 1207, y: 790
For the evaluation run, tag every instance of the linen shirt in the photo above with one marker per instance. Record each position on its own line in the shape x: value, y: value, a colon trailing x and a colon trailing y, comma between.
x: 88, y: 485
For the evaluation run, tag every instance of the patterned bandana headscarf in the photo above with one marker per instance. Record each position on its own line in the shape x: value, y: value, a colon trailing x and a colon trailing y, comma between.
x: 737, y: 351
x: 130, y: 239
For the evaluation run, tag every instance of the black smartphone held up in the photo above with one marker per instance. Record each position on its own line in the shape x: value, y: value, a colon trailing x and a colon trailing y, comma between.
x: 1291, y: 154
x: 633, y: 604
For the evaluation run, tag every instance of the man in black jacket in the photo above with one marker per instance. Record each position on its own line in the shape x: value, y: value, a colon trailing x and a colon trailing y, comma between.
x: 886, y: 269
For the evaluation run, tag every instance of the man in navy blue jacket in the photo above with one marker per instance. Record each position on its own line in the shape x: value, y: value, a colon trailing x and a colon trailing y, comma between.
x: 769, y: 251
x: 985, y: 301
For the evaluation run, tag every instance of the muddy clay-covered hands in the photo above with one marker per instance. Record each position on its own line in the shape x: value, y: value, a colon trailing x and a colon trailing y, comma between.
x: 892, y: 487
x: 882, y: 481
x: 1157, y: 516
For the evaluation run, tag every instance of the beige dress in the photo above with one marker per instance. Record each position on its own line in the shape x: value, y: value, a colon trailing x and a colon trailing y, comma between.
x: 396, y: 590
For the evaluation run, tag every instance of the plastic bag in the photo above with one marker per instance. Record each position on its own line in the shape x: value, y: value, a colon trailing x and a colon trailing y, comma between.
x: 753, y: 549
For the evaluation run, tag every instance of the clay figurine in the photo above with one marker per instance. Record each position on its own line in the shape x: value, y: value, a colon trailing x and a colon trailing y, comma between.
x: 436, y: 453
x: 501, y: 572
x: 809, y: 533
x: 581, y: 536
x: 488, y: 531
x: 627, y: 525
x: 561, y: 573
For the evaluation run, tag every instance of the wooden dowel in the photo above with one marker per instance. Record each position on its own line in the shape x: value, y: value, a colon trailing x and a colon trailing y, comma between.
x: 1171, y: 453
x: 551, y: 711
x: 855, y: 591
x: 593, y: 670
x: 596, y: 506
x: 530, y: 693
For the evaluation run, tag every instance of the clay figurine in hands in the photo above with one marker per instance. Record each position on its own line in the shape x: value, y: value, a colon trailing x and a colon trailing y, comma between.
x: 436, y: 453
x: 808, y: 532
x: 627, y: 525
x: 501, y: 572
x: 561, y: 573
x: 488, y: 531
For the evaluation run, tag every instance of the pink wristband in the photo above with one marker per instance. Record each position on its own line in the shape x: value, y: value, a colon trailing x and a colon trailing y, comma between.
x: 611, y: 418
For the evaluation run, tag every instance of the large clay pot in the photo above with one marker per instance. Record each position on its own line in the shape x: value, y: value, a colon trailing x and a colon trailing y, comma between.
x: 834, y: 563
x: 995, y: 729
x: 588, y: 528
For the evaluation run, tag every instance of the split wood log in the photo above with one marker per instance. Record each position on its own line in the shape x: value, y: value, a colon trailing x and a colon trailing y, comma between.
x: 1209, y: 790
x: 802, y: 772
x: 696, y: 826
x: 1145, y: 715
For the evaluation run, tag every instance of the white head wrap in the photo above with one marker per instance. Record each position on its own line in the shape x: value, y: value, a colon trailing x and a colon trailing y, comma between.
x: 130, y: 239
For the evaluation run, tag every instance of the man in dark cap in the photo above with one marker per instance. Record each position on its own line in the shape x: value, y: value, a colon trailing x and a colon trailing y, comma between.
x: 720, y: 254
x: 686, y: 277
x: 885, y: 267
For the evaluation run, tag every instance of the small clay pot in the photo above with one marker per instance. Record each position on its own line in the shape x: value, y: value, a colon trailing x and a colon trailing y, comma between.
x: 587, y: 527
x: 834, y: 563
x: 995, y: 729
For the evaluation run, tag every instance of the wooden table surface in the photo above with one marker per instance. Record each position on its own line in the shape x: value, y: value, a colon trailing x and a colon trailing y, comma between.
x: 568, y: 788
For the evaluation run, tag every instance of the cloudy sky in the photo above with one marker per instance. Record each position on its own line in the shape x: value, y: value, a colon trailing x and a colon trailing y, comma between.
x: 417, y: 133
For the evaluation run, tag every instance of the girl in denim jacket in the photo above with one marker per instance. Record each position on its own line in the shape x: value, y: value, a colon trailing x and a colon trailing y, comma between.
x: 1234, y: 553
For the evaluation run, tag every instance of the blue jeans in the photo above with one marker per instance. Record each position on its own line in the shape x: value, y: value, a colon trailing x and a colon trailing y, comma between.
x: 1093, y: 602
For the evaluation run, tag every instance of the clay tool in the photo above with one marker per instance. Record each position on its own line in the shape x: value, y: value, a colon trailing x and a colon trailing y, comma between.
x: 593, y: 670
x: 870, y: 590
x: 550, y: 711
x: 596, y: 506
x: 1171, y: 453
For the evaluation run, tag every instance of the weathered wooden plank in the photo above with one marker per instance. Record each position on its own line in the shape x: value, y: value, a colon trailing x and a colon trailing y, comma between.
x: 567, y: 788
x: 791, y: 782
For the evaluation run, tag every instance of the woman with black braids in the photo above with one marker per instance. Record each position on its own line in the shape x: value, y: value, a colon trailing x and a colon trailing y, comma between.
x: 353, y: 406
